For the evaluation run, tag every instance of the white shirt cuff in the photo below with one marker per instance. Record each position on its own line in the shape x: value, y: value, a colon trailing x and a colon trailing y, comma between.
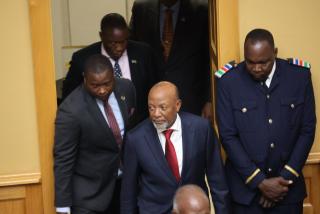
x: 63, y: 210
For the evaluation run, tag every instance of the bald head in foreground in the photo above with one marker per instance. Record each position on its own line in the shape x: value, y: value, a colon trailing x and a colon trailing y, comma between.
x: 168, y: 150
x: 190, y: 199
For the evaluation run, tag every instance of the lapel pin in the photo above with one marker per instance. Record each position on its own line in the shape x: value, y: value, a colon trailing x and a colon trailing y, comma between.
x: 123, y: 98
x: 133, y: 61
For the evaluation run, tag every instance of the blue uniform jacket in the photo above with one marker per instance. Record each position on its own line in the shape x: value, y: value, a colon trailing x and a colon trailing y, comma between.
x: 266, y: 132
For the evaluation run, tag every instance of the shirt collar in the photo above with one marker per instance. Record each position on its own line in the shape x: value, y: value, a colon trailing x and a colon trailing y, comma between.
x: 104, y: 52
x: 174, y: 7
x: 272, y: 71
x: 111, y: 96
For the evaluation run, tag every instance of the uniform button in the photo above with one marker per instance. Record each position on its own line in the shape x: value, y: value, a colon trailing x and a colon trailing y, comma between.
x: 292, y: 105
x: 268, y: 96
x: 261, y: 83
x: 272, y: 145
x: 270, y: 121
x: 244, y: 110
x: 269, y: 170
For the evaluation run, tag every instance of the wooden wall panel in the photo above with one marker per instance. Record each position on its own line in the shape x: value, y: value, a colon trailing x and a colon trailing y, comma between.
x: 15, y: 206
x: 22, y: 199
x: 312, y: 177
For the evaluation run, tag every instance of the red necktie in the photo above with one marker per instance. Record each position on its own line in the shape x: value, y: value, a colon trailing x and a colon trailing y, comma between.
x: 167, y: 34
x: 113, y: 123
x: 171, y: 155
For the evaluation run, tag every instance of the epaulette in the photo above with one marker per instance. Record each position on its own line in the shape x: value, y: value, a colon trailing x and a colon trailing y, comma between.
x: 224, y: 69
x: 299, y: 62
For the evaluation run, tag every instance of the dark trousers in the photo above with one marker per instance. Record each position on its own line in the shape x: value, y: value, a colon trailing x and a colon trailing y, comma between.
x: 256, y: 208
x: 114, y: 206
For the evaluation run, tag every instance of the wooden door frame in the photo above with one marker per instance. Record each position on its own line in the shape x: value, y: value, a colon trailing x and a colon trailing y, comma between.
x: 45, y: 91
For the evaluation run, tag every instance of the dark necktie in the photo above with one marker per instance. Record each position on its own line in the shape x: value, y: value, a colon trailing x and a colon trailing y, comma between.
x: 167, y: 34
x: 117, y: 70
x: 171, y: 155
x: 113, y: 123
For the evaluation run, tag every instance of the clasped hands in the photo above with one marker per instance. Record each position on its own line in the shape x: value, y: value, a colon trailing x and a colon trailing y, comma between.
x: 273, y: 190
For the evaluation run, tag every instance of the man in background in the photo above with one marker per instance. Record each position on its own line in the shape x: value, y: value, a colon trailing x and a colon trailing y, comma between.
x: 177, y: 30
x: 130, y: 60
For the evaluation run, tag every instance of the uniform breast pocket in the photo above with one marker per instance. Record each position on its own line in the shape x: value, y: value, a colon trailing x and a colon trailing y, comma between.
x: 245, y: 114
x: 291, y: 110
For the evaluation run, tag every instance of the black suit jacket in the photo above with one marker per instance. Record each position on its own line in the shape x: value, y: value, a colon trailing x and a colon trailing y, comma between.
x: 86, y: 154
x: 148, y: 183
x: 188, y: 63
x: 141, y: 63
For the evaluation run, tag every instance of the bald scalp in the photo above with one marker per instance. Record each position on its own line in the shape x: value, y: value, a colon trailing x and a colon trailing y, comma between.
x: 190, y: 198
x: 165, y: 87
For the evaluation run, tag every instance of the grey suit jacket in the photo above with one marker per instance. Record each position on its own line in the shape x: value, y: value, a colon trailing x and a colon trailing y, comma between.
x: 86, y: 154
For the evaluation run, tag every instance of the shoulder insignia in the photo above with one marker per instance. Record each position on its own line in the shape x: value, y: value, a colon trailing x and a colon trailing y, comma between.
x: 224, y: 69
x: 299, y: 62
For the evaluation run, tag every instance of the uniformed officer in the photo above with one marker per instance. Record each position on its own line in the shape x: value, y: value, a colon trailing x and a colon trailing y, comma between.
x: 266, y: 118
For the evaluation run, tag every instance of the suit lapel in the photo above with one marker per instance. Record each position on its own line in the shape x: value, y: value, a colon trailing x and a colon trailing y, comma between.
x: 154, y: 144
x: 98, y: 116
x: 154, y: 23
x: 133, y: 64
x: 275, y: 79
x: 181, y: 29
x: 121, y: 98
x: 187, y: 143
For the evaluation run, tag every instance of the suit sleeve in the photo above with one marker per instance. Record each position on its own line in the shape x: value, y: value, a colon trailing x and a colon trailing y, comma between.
x: 215, y: 175
x: 206, y: 59
x: 74, y: 77
x: 292, y: 170
x: 67, y: 132
x: 230, y: 140
x: 129, y: 188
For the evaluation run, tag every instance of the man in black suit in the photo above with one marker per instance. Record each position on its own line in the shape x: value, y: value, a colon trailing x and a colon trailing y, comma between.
x: 131, y: 60
x: 89, y: 129
x: 177, y: 30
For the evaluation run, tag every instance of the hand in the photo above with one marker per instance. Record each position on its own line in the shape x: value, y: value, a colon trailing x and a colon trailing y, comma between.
x: 274, y: 188
x: 266, y: 203
x: 207, y: 111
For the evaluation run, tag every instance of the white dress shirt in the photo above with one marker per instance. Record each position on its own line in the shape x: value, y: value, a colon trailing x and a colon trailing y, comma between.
x: 269, y: 79
x: 123, y: 62
x: 117, y: 113
x: 176, y: 139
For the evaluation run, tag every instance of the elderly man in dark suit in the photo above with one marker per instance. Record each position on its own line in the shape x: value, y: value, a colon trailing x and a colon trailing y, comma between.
x: 89, y: 130
x: 167, y: 151
x: 131, y: 60
x: 177, y: 30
